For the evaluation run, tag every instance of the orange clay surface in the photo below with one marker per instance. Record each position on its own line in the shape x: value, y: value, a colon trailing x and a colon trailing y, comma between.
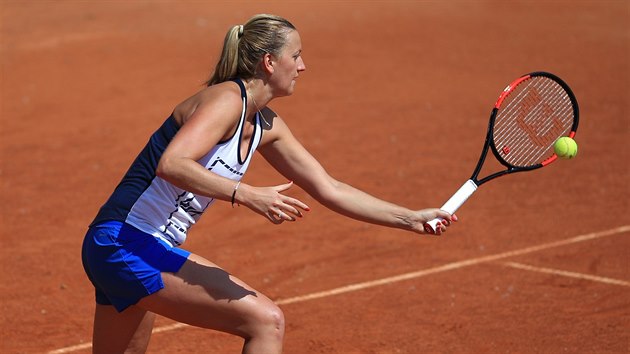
x: 395, y: 101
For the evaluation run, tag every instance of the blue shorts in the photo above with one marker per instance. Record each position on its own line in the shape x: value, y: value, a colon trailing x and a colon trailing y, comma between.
x: 125, y: 264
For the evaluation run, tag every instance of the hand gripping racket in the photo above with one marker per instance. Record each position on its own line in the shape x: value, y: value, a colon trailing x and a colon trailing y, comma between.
x: 529, y: 116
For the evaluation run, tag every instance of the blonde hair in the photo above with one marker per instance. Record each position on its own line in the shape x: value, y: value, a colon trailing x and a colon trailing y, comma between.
x: 245, y: 45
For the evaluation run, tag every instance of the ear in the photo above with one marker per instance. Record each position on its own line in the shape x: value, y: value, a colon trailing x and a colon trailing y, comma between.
x: 268, y: 63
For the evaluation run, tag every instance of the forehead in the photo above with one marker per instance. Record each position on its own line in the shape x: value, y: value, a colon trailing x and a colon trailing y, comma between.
x: 293, y: 42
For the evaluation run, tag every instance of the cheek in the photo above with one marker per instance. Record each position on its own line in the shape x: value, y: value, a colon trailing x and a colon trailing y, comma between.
x: 288, y: 74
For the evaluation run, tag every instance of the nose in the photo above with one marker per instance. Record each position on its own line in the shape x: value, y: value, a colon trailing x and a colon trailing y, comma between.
x: 301, y: 65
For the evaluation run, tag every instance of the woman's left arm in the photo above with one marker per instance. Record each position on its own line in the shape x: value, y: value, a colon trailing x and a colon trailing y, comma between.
x: 285, y: 153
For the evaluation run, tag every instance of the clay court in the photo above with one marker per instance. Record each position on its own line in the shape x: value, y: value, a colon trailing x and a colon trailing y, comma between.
x: 395, y: 100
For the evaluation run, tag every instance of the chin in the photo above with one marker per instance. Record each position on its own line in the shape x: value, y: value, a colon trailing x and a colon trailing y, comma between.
x: 288, y: 92
x: 291, y: 89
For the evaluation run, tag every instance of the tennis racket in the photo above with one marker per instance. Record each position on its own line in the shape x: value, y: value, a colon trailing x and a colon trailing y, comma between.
x: 530, y: 115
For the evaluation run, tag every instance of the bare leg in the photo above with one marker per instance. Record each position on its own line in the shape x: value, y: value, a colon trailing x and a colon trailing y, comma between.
x: 125, y: 332
x: 203, y: 295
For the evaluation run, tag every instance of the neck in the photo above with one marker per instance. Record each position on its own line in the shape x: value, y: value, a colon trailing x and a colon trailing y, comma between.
x: 258, y: 93
x: 258, y: 99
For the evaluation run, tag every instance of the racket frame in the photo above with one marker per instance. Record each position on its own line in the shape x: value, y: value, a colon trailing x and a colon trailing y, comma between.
x: 471, y: 185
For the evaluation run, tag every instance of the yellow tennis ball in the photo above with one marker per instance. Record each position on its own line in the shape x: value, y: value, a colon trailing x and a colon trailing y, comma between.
x: 565, y: 148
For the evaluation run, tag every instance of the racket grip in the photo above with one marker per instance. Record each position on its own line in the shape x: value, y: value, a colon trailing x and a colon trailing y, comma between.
x: 452, y: 204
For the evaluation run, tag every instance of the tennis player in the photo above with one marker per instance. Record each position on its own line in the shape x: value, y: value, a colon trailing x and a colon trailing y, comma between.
x: 131, y: 252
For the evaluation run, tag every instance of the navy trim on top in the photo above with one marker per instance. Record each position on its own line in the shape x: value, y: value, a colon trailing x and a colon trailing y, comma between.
x: 139, y: 176
x: 240, y: 160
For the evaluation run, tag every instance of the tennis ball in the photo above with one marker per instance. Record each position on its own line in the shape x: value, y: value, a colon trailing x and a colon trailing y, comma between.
x: 565, y: 148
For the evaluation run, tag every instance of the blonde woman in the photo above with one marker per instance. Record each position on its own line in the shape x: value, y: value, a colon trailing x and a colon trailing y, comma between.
x: 132, y: 252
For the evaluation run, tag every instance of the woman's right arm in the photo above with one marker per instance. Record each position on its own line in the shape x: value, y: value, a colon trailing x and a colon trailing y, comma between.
x: 213, y: 118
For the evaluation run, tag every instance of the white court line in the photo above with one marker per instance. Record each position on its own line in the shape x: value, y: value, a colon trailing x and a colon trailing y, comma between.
x: 452, y: 266
x: 565, y: 273
x: 402, y: 277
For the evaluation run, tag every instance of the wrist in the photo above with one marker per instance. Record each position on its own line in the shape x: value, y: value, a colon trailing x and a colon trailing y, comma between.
x: 234, y: 191
x: 406, y: 220
x: 243, y: 194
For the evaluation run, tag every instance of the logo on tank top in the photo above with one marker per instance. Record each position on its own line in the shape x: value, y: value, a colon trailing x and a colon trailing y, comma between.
x: 183, y: 203
x: 225, y: 165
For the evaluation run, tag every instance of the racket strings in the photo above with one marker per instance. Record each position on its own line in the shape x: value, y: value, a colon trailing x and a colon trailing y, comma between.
x: 536, y: 113
x: 526, y: 155
x: 539, y: 129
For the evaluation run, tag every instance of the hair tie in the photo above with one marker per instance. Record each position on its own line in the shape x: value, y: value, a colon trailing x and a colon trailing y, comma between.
x: 240, y: 31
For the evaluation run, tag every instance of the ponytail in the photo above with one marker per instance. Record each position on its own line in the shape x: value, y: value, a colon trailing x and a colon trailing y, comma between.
x: 227, y: 66
x: 245, y: 45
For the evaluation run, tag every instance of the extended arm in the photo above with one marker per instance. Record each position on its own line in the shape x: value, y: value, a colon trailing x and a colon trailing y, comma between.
x: 291, y: 159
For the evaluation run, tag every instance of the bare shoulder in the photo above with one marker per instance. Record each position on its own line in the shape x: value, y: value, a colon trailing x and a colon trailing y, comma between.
x: 269, y: 117
x: 274, y: 126
x: 220, y: 100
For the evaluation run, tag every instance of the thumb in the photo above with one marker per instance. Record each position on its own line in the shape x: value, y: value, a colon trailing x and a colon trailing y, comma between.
x: 283, y: 187
x: 442, y: 214
x: 446, y: 216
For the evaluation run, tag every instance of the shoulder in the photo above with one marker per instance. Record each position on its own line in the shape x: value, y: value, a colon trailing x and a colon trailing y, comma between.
x: 224, y: 98
x: 272, y: 121
x: 269, y: 117
x: 228, y: 90
x: 274, y: 126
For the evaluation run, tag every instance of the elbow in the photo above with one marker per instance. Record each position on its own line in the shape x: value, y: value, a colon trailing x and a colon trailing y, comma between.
x: 164, y: 168
x: 327, y: 194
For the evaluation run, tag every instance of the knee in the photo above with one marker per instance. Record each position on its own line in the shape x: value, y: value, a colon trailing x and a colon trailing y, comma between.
x: 274, y: 319
x: 269, y: 321
x: 278, y: 318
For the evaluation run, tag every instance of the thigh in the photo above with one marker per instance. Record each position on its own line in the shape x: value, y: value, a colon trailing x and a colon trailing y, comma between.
x: 204, y: 295
x: 117, y: 332
x: 125, y: 264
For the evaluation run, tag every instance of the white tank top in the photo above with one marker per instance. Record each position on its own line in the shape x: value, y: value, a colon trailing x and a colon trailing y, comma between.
x: 161, y: 209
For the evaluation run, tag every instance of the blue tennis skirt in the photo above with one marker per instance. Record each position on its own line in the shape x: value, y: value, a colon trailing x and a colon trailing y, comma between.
x: 125, y: 264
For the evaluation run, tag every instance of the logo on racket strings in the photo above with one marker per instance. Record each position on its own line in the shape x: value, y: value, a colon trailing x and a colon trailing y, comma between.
x: 535, y: 118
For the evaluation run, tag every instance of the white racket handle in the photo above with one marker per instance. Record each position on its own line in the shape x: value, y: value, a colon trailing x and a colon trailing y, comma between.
x: 453, y: 204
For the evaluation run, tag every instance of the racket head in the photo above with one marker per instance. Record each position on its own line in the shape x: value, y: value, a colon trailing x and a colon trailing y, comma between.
x: 529, y: 116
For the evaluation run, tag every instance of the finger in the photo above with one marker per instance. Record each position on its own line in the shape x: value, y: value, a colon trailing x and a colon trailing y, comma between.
x: 275, y: 217
x: 292, y: 212
x: 282, y: 210
x: 436, y: 231
x: 297, y: 204
x: 284, y: 216
x: 278, y: 214
x: 443, y: 215
x: 291, y: 206
x: 291, y: 201
x: 283, y: 187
